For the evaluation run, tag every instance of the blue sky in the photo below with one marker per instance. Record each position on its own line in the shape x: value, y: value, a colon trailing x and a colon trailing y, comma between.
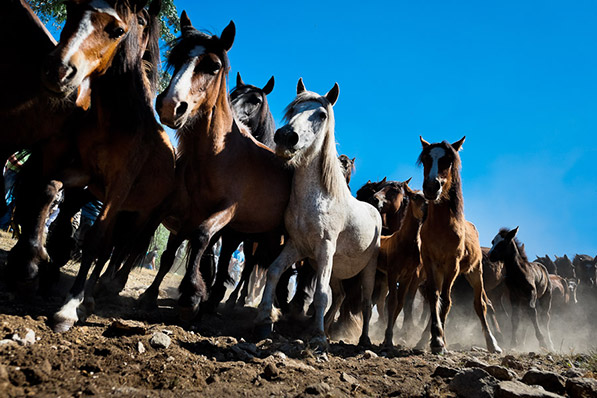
x: 519, y: 79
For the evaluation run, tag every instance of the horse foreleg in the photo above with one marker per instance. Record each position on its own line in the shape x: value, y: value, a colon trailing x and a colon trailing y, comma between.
x: 475, y: 279
x: 338, y: 295
x: 545, y: 316
x: 192, y: 287
x: 149, y: 298
x: 368, y: 284
x: 230, y: 242
x: 264, y: 319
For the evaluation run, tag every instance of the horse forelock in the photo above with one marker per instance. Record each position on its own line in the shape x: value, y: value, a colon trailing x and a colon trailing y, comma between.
x: 180, y: 48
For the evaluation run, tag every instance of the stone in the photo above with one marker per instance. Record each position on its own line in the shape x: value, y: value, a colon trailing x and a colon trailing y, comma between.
x: 212, y: 379
x: 140, y: 347
x: 445, y: 372
x: 29, y: 338
x: 249, y: 347
x: 348, y: 378
x: 475, y: 363
x: 46, y: 366
x: 241, y: 354
x: 571, y: 373
x: 271, y: 372
x: 160, y: 340
x: 369, y: 354
x: 3, y: 373
x: 318, y: 389
x: 511, y: 362
x: 125, y: 328
x: 473, y: 383
x: 550, y: 381
x: 581, y: 387
x: 501, y: 373
x: 516, y: 389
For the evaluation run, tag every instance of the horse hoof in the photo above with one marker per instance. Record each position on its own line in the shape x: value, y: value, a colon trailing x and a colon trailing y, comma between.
x: 319, y: 343
x: 263, y: 330
x: 441, y: 350
x: 387, y: 344
x: 63, y: 325
x: 147, y: 302
x: 365, y: 341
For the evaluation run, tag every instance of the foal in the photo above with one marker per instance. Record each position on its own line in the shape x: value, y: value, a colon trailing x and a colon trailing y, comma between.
x: 528, y: 283
x: 325, y: 223
x: 449, y: 243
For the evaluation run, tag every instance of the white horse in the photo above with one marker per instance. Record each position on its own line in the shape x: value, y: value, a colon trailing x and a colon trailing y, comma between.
x: 325, y: 223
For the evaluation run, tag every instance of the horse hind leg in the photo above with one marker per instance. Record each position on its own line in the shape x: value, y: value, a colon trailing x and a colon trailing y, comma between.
x: 230, y: 243
x: 396, y: 300
x: 475, y: 279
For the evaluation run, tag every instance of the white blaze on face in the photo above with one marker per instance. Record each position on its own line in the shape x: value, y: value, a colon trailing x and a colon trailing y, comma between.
x: 436, y: 154
x: 86, y: 28
x: 180, y: 86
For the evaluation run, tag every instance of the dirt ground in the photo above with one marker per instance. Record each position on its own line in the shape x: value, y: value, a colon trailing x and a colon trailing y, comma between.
x: 215, y: 356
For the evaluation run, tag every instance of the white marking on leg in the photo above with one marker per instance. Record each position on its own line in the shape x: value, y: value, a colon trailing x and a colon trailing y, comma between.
x: 69, y: 310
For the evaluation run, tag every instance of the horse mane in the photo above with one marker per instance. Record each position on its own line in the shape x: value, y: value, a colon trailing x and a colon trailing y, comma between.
x: 454, y: 192
x: 332, y: 179
x: 151, y: 57
x: 519, y: 245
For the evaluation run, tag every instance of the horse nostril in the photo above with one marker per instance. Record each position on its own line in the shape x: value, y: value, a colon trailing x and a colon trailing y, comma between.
x: 181, y: 109
x: 292, y: 138
x: 72, y: 73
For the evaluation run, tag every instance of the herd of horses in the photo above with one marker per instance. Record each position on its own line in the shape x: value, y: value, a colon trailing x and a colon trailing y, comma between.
x: 85, y: 108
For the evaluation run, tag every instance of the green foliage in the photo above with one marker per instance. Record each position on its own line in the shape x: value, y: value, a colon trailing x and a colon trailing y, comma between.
x: 160, y: 240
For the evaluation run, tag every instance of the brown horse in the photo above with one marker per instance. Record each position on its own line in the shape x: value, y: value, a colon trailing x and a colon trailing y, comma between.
x: 449, y: 243
x: 109, y: 53
x: 215, y: 151
x: 28, y: 114
x: 400, y: 259
x: 528, y: 284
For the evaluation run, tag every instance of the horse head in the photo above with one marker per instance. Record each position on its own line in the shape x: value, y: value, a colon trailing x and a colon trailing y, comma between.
x: 94, y: 33
x: 347, y: 165
x: 441, y: 165
x: 309, y: 118
x: 390, y: 198
x: 503, y: 245
x: 200, y: 66
x: 416, y: 201
x: 251, y: 108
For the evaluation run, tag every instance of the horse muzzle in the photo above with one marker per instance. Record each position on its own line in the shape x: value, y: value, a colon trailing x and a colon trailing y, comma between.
x: 286, y: 139
x: 173, y: 114
x: 432, y: 189
x: 59, y: 77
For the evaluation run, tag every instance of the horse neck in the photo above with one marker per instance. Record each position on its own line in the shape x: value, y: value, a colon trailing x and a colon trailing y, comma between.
x: 308, y: 175
x: 513, y: 261
x: 132, y: 104
x: 410, y: 227
x: 451, y: 204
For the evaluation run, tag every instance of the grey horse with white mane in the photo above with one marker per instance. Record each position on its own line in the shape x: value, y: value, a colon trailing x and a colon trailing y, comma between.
x: 325, y: 223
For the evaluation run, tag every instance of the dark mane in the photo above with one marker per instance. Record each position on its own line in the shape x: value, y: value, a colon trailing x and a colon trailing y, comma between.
x: 181, y: 46
x: 519, y: 246
x: 454, y: 194
x: 152, y: 52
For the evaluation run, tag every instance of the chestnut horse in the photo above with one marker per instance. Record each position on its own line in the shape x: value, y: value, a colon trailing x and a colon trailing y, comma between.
x: 449, y: 243
x: 214, y: 152
x: 109, y: 53
x: 528, y: 284
x: 28, y: 113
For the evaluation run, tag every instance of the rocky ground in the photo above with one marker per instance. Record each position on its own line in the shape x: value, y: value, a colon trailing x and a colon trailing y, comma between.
x: 126, y: 352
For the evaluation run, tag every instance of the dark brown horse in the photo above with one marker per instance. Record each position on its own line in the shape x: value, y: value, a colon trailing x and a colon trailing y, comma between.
x: 400, y: 259
x: 215, y: 151
x: 449, y: 243
x: 528, y: 285
x: 109, y: 53
x: 28, y: 114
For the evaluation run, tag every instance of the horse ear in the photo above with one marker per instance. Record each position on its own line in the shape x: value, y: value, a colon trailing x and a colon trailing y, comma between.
x: 458, y: 144
x: 239, y: 80
x: 300, y: 86
x: 333, y: 94
x: 269, y: 86
x: 353, y: 160
x: 185, y: 22
x: 566, y: 257
x: 423, y: 142
x: 227, y: 37
x: 384, y: 180
x: 512, y: 234
x: 407, y: 181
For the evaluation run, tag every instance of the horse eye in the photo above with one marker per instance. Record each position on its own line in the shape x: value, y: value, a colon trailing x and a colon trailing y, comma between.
x: 323, y: 116
x: 141, y: 21
x: 115, y: 32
